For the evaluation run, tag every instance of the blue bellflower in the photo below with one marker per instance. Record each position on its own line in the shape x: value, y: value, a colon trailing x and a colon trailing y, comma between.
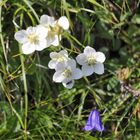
x: 94, y: 122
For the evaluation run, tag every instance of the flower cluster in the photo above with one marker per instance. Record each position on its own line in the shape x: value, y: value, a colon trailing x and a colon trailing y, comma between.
x: 66, y: 71
x: 48, y: 33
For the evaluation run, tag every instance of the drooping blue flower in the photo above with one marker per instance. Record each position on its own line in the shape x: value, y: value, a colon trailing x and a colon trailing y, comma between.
x: 94, y: 122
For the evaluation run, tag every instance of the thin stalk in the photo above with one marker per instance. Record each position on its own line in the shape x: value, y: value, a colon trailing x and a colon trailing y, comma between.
x: 25, y: 93
x: 24, y: 84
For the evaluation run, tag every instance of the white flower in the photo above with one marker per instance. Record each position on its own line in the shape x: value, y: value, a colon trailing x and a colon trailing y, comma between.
x: 55, y: 28
x: 49, y: 23
x: 67, y: 73
x: 91, y: 61
x: 34, y: 38
x: 58, y: 58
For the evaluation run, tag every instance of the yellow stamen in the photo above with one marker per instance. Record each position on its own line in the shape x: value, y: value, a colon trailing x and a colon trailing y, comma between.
x: 91, y: 60
x: 67, y: 73
x: 33, y: 38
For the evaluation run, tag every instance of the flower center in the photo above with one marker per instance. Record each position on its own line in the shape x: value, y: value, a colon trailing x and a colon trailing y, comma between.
x: 51, y: 34
x: 59, y: 59
x: 67, y: 73
x: 91, y: 60
x: 56, y: 30
x: 33, y: 39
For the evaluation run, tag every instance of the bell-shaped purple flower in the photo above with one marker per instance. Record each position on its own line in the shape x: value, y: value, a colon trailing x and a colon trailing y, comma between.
x: 94, y: 122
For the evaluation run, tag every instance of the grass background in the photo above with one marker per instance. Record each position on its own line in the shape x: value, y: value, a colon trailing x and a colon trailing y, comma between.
x: 33, y: 107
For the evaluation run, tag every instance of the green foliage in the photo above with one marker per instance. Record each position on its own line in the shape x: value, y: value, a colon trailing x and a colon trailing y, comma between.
x: 33, y: 107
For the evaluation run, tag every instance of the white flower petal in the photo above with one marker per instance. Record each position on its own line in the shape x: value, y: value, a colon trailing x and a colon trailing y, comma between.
x: 71, y: 63
x: 21, y: 36
x: 45, y: 19
x: 66, y: 80
x: 52, y: 64
x: 99, y: 68
x: 77, y: 74
x: 100, y: 57
x: 58, y: 77
x: 41, y: 45
x: 81, y: 59
x: 89, y: 50
x: 54, y: 55
x: 41, y: 31
x: 63, y: 22
x: 28, y: 48
x: 55, y: 41
x: 49, y: 41
x: 31, y: 30
x: 60, y: 66
x: 64, y: 53
x: 69, y: 85
x: 87, y: 70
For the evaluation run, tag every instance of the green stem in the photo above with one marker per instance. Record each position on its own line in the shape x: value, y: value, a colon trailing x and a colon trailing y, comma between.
x: 25, y: 93
x: 24, y: 84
